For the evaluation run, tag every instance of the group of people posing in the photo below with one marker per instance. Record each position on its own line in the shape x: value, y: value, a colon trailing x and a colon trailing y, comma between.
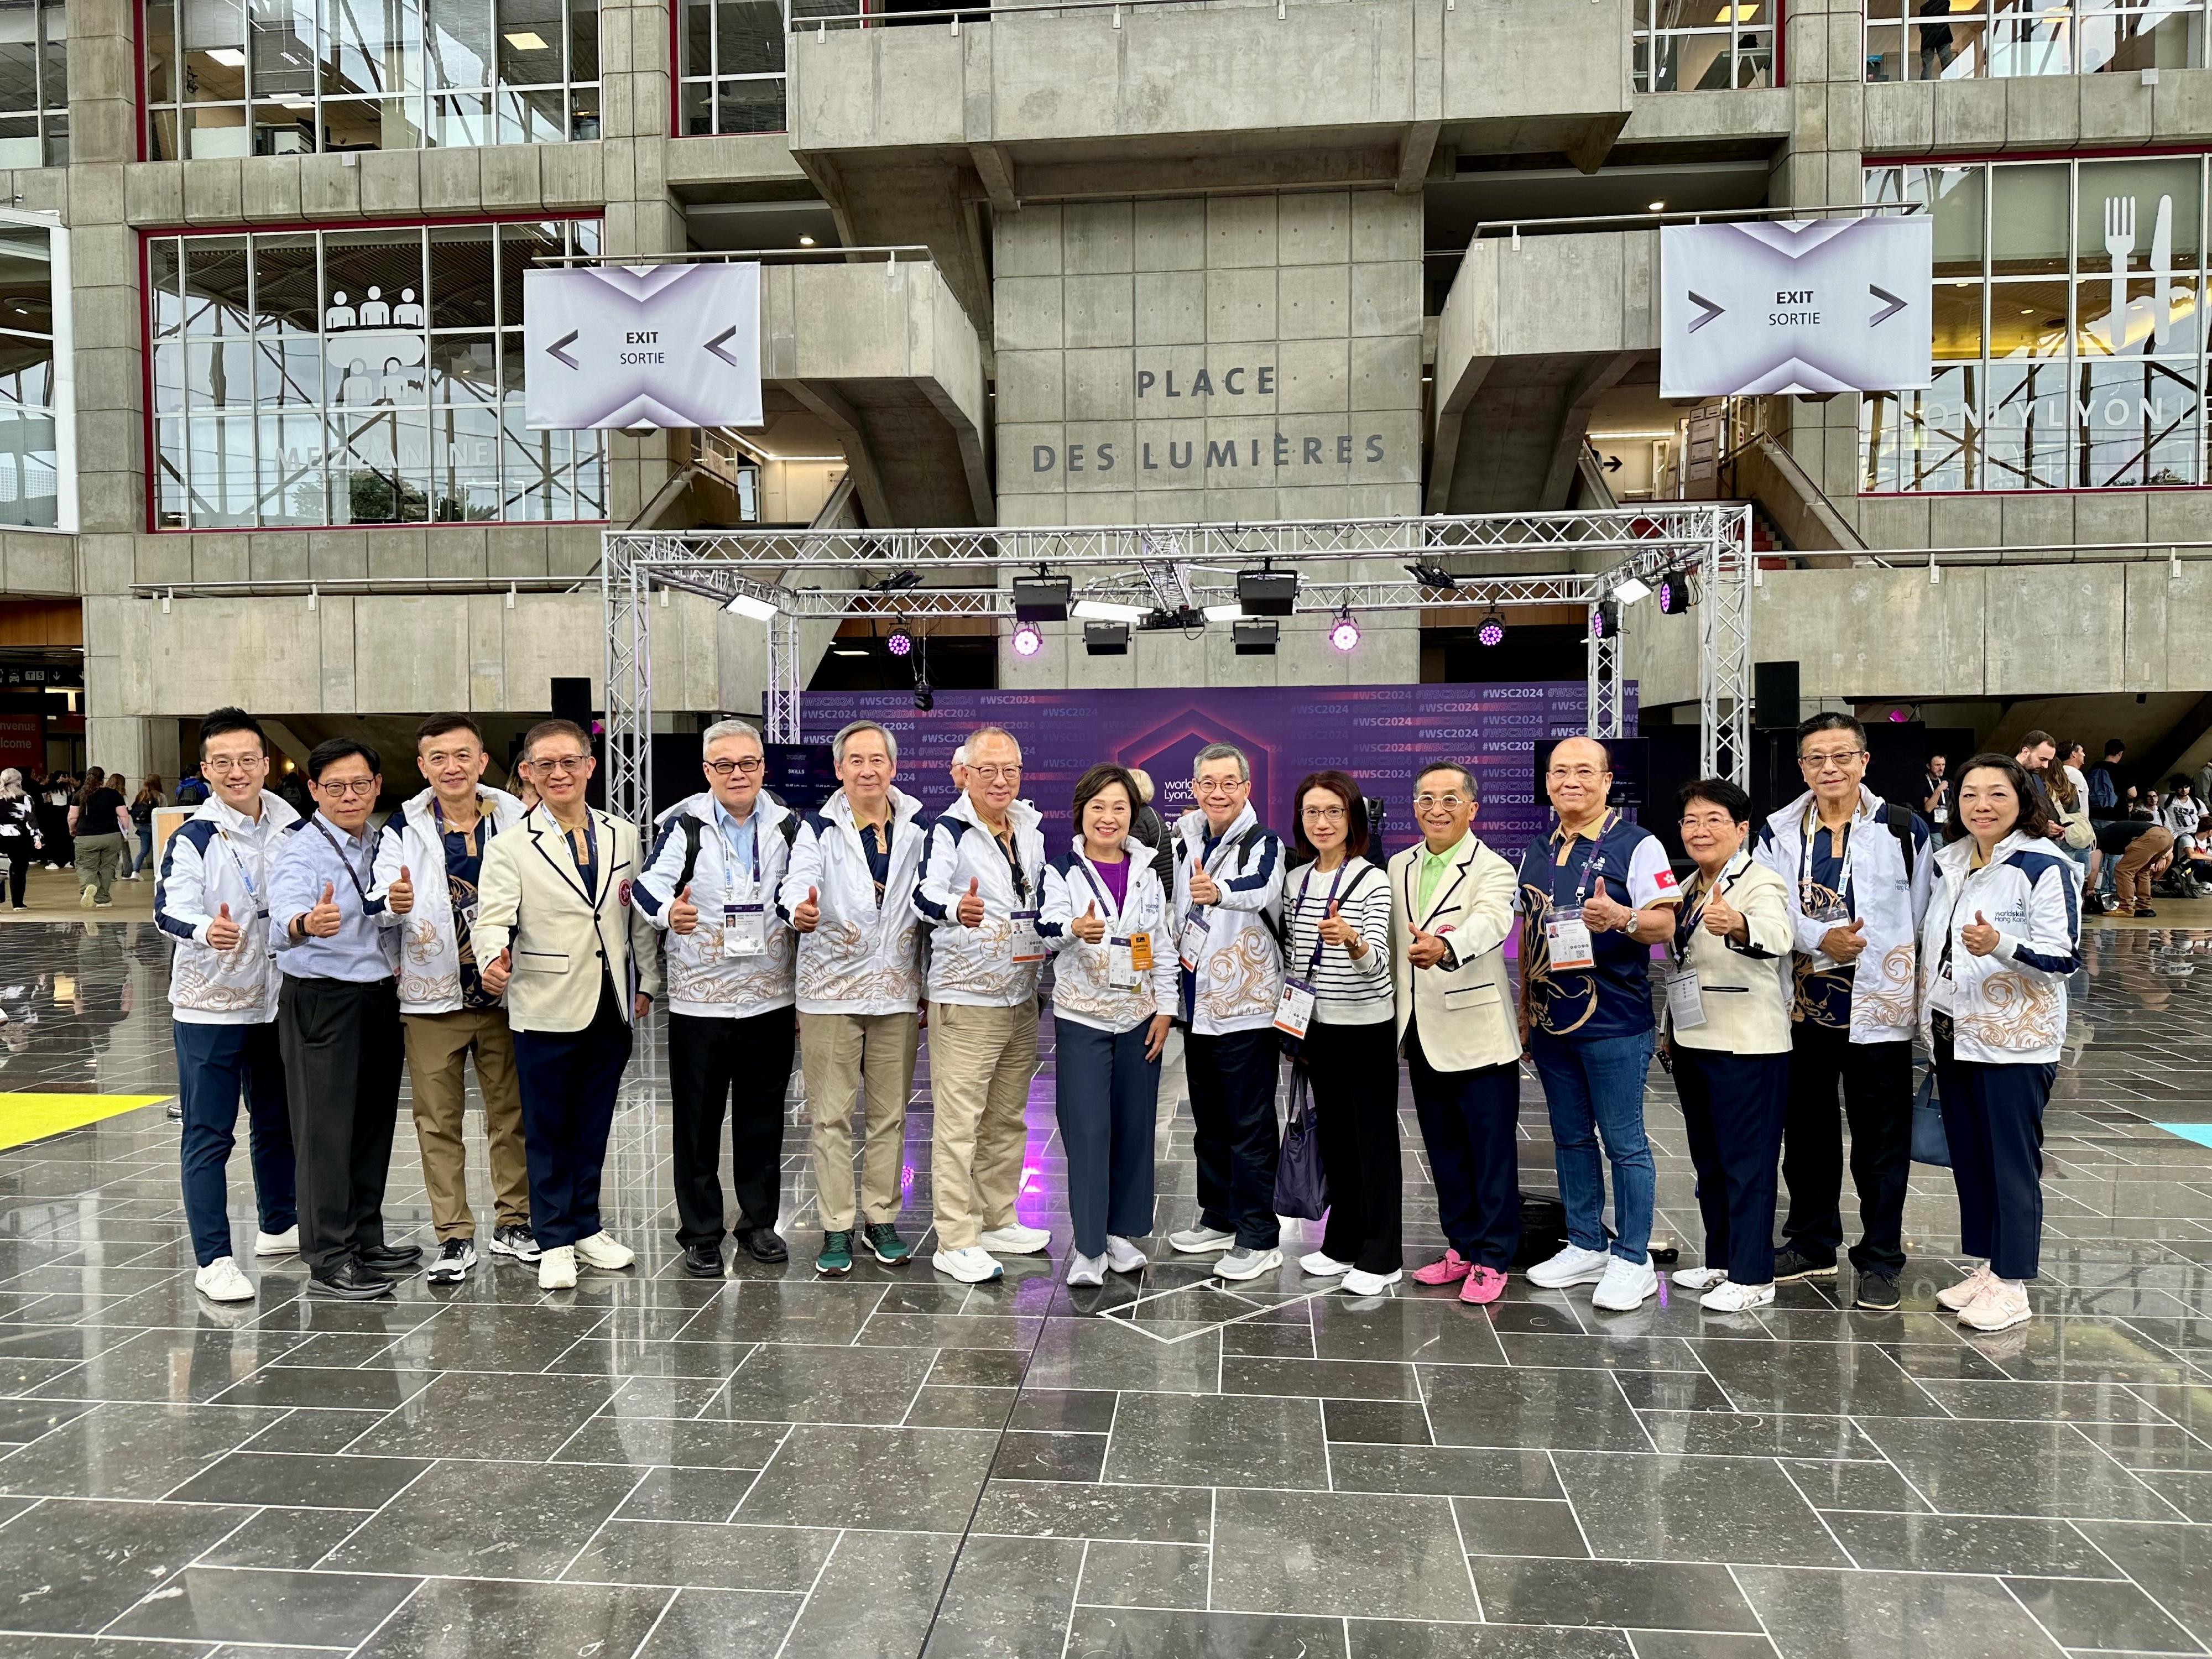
x: 1799, y: 958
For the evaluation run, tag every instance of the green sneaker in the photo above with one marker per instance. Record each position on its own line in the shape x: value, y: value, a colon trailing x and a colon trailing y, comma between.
x: 836, y: 1258
x: 889, y: 1248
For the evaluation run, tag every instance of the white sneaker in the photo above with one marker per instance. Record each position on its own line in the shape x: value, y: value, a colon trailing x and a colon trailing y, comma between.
x: 1321, y: 1265
x: 1014, y: 1239
x: 1087, y: 1270
x: 605, y: 1251
x: 284, y: 1243
x: 1728, y: 1299
x: 971, y: 1266
x: 1699, y: 1279
x: 557, y: 1268
x: 1200, y: 1240
x: 221, y: 1281
x: 1966, y: 1291
x: 1626, y: 1285
x: 1357, y: 1282
x: 1572, y: 1266
x: 1123, y: 1257
x: 1247, y: 1264
x: 2000, y: 1307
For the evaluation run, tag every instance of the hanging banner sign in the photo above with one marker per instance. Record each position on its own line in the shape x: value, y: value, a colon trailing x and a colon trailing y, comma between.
x: 666, y: 345
x: 1822, y: 305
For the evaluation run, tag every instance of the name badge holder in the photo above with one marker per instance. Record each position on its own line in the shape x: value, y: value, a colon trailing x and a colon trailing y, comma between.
x: 1294, y: 1012
x: 745, y: 930
x: 1121, y: 973
x: 1191, y: 946
x: 1685, y: 1005
x: 1567, y: 939
x: 1029, y: 945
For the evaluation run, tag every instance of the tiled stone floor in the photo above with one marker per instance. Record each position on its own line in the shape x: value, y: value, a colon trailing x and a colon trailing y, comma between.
x: 652, y: 1466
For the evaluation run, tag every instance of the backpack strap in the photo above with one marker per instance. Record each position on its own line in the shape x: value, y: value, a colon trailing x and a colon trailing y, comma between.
x: 1904, y: 823
x: 691, y: 830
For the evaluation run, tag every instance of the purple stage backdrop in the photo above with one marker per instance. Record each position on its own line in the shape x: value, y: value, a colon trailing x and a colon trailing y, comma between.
x: 1378, y: 733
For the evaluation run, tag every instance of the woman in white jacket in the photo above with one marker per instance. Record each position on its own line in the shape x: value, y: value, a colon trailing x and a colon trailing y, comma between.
x: 2003, y: 933
x: 1114, y: 998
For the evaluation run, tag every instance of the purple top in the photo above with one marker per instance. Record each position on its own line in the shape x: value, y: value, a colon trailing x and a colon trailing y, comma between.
x: 1116, y: 877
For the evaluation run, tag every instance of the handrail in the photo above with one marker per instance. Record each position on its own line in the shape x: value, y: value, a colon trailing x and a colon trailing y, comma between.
x: 985, y: 12
x: 363, y: 587
x: 1817, y: 500
x: 698, y: 256
x: 1682, y: 215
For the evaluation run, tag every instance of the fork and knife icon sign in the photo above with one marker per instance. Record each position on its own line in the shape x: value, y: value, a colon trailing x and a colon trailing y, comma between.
x: 2125, y: 321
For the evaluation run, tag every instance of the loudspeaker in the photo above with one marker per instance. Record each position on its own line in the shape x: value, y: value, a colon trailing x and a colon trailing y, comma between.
x: 1774, y: 696
x: 572, y: 699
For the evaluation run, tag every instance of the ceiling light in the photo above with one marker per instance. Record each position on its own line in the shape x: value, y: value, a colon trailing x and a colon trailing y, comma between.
x: 1656, y: 207
x: 228, y: 57
x: 1221, y: 613
x: 1605, y: 621
x: 1256, y: 638
x: 1492, y: 631
x: 847, y: 651
x: 806, y: 241
x: 1027, y: 639
x: 527, y: 40
x: 899, y: 642
x: 1107, y: 611
x: 1629, y: 589
x: 745, y: 604
x: 1042, y: 597
x: 1267, y: 592
x: 1673, y: 593
x: 898, y: 581
x: 1106, y: 639
x: 1344, y: 633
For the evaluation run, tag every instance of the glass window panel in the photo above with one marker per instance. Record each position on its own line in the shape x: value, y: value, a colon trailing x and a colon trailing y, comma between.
x: 584, y: 114
x: 757, y: 106
x: 159, y: 20
x: 2157, y: 315
x: 292, y: 490
x: 222, y: 482
x: 216, y: 25
x: 28, y: 470
x: 366, y: 273
x: 57, y: 144
x: 169, y: 475
x: 219, y: 375
x: 19, y: 59
x: 583, y: 40
x: 281, y: 45
x: 539, y: 116
x: 530, y: 461
x: 26, y: 371
x: 1922, y: 440
x: 217, y: 132
x: 752, y: 37
x: 591, y: 476
x: 161, y: 137
x: 461, y: 283
x: 2028, y: 219
x: 372, y: 46
x: 168, y: 378
x: 464, y: 368
x: 394, y: 123
x: 1958, y: 319
x: 514, y: 365
x: 583, y: 238
x: 695, y: 37
x: 216, y: 286
x: 2027, y: 319
x: 2138, y: 423
x: 381, y: 459
x: 164, y: 271
x: 2030, y: 37
x: 464, y: 464
x: 460, y: 43
x: 2130, y: 39
x: 2027, y: 440
x: 288, y: 372
x: 460, y: 121
x: 518, y: 245
x: 529, y: 43
x: 698, y: 107
x: 285, y: 126
x: 285, y: 285
x: 2143, y: 213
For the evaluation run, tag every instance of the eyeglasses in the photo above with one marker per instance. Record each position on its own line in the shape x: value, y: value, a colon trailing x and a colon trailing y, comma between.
x: 1323, y: 814
x: 996, y: 774
x: 750, y: 765
x: 346, y: 786
x: 223, y: 768
x: 563, y: 763
x: 1830, y: 758
x: 1449, y: 803
x: 1574, y: 774
x: 1216, y: 786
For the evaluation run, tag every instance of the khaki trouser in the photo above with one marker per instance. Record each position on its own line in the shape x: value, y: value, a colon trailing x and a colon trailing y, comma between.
x: 437, y: 1054
x: 2132, y: 881
x: 980, y: 1062
x: 837, y: 1052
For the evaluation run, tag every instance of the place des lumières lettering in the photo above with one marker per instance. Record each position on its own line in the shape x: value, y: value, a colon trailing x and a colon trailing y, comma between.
x: 1154, y: 390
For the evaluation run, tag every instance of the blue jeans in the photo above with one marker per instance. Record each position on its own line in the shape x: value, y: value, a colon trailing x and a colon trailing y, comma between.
x: 215, y: 1065
x: 1595, y: 1087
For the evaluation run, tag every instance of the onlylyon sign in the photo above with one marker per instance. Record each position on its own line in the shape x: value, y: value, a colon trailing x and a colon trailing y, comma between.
x: 664, y: 345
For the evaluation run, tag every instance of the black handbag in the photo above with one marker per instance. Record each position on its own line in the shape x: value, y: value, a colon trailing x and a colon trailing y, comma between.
x: 1301, y: 1186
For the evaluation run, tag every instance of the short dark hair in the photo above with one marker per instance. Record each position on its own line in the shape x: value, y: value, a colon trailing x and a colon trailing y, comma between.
x: 1340, y: 784
x: 438, y: 725
x: 2032, y: 819
x: 2036, y: 740
x: 1098, y: 778
x: 1720, y: 793
x: 331, y: 750
x: 2114, y: 746
x: 2178, y: 782
x: 1832, y: 721
x: 221, y: 722
x: 1466, y: 774
x: 555, y: 728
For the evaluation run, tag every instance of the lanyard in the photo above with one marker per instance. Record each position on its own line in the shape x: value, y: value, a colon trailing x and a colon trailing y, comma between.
x: 1013, y: 864
x: 252, y: 891
x: 752, y: 823
x: 1582, y: 884
x: 352, y: 875
x: 1686, y: 926
x: 1313, y: 961
x: 486, y: 826
x: 1806, y: 832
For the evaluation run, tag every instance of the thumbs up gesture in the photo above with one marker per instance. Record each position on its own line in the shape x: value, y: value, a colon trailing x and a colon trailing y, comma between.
x: 807, y: 915
x: 1721, y: 918
x: 683, y: 915
x: 969, y: 912
x: 1426, y: 951
x: 498, y: 971
x: 1978, y: 936
x: 1203, y: 890
x: 324, y: 919
x: 1088, y: 928
x: 1844, y: 944
x: 1335, y: 929
x: 399, y: 897
x: 223, y: 933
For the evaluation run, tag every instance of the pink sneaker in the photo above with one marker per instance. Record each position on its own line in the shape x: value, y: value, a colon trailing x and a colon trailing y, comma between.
x: 1483, y: 1284
x: 1449, y: 1270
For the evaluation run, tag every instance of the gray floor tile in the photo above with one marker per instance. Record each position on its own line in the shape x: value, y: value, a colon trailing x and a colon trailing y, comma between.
x: 482, y: 1415
x: 2174, y: 1564
x: 1519, y: 1526
x: 452, y: 1618
x: 1171, y: 1635
x: 875, y: 1595
x: 1377, y: 1422
x: 127, y: 1451
x: 1406, y: 1639
x: 788, y: 1383
x: 687, y: 1495
x: 284, y: 1537
x: 1840, y: 1486
x: 921, y: 1480
x: 1009, y: 1598
x: 325, y: 1385
x: 488, y: 1519
x: 1984, y: 1467
x: 1197, y: 1440
x: 300, y: 1481
x: 1471, y: 1406
x: 2104, y: 1616
x: 704, y: 1624
x: 1968, y: 1543
x: 1475, y: 1471
x: 1383, y: 1555
x: 936, y: 1407
x: 1116, y: 1575
x: 1666, y: 1507
x: 714, y: 1556
x: 1317, y: 1379
x: 1646, y: 1595
x: 1059, y: 1510
x: 1838, y: 1615
x: 232, y: 1604
x: 69, y: 1566
x: 1031, y: 1455
x: 671, y: 1441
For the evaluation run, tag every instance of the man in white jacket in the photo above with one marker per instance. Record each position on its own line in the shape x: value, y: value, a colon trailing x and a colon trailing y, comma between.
x: 1228, y: 892
x: 711, y: 883
x: 429, y: 859
x: 212, y: 900
x: 981, y: 886
x: 849, y: 894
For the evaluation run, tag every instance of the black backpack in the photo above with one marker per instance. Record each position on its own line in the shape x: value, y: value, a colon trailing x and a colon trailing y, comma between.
x: 788, y: 828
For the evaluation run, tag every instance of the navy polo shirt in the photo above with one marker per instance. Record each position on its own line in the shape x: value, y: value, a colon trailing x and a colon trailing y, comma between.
x: 1613, y: 998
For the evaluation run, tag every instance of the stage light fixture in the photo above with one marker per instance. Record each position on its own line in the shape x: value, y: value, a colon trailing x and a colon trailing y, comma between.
x: 898, y: 581
x: 1605, y: 621
x: 1267, y: 592
x: 1344, y: 633
x: 1029, y: 640
x: 1492, y: 631
x: 1674, y: 592
x: 1256, y: 638
x: 925, y: 698
x: 745, y: 604
x: 1224, y: 613
x: 1106, y: 639
x: 1108, y: 610
x: 1432, y: 575
x: 1629, y: 589
x: 899, y: 642
x: 1041, y: 599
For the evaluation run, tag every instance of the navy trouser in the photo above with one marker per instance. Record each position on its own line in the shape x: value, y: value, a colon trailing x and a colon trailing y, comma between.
x: 569, y: 1081
x: 1107, y: 1096
x: 1733, y: 1106
x: 1877, y: 1085
x: 1232, y: 1102
x: 1469, y: 1124
x: 344, y: 1048
x: 215, y: 1065
x: 1993, y: 1118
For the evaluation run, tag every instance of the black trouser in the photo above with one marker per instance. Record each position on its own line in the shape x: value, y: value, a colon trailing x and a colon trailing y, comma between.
x: 342, y: 1054
x: 1232, y: 1103
x: 1733, y: 1107
x: 1877, y: 1084
x: 1354, y: 1073
x: 569, y: 1081
x: 707, y: 1058
x: 19, y: 872
x: 1470, y: 1121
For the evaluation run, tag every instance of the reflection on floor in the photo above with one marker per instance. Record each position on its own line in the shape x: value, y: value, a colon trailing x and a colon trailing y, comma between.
x: 771, y: 1466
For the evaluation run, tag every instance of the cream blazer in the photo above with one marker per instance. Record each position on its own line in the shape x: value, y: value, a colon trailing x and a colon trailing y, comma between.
x: 530, y: 895
x: 1466, y: 1014
x: 1744, y: 990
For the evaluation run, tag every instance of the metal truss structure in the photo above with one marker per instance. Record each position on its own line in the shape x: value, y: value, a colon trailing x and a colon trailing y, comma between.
x: 1448, y: 564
